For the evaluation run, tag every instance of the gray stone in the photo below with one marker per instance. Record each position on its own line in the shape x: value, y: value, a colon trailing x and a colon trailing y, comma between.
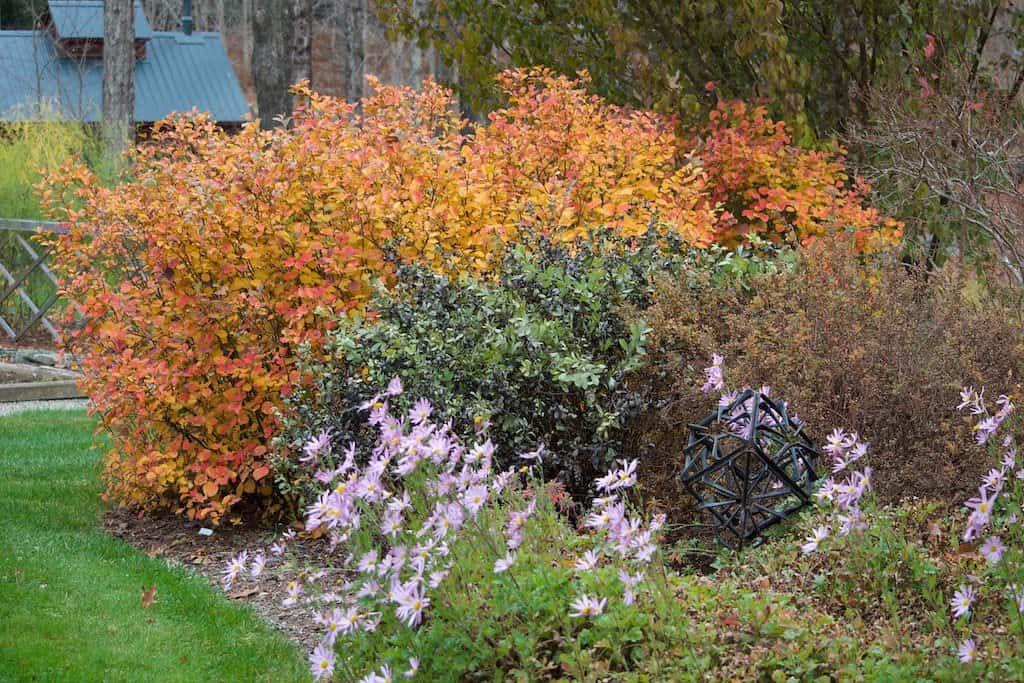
x: 42, y: 358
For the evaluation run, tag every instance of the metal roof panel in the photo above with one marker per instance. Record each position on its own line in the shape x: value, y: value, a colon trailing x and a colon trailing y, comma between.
x: 180, y: 73
x: 84, y: 19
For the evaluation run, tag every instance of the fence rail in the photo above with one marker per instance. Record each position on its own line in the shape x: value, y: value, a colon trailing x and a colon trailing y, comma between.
x: 18, y: 275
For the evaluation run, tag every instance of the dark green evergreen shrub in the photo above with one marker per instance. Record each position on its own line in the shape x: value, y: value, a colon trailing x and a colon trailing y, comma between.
x: 541, y: 352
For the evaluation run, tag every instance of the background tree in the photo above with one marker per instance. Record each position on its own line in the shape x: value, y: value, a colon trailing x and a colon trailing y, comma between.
x: 806, y: 58
x: 118, y: 75
x: 20, y: 14
x: 944, y: 151
x: 302, y: 41
x: 271, y: 60
x: 351, y: 22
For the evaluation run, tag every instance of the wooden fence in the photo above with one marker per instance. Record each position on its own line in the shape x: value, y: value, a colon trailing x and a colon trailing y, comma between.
x: 21, y: 273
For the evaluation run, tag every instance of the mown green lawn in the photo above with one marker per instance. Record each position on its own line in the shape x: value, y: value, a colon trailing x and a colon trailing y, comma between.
x: 70, y: 596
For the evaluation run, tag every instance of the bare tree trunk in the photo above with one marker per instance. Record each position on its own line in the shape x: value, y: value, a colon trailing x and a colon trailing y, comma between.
x: 353, y: 49
x: 302, y: 41
x: 118, y: 75
x: 247, y: 30
x: 271, y: 63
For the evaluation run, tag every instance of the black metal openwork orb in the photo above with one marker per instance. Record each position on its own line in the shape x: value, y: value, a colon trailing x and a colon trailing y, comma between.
x: 749, y: 465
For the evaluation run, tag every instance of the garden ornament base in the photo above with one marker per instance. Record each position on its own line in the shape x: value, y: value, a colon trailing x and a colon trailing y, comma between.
x: 749, y: 465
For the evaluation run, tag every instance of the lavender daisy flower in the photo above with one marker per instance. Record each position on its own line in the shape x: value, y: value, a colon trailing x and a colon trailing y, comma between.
x: 315, y: 446
x: 503, y: 564
x: 968, y: 651
x: 294, y: 591
x: 992, y: 549
x: 322, y: 662
x: 587, y: 607
x: 713, y: 375
x: 587, y: 562
x: 414, y: 666
x: 420, y: 412
x: 236, y: 566
x: 816, y: 537
x: 259, y: 562
x: 411, y: 603
x: 537, y: 455
x: 962, y: 601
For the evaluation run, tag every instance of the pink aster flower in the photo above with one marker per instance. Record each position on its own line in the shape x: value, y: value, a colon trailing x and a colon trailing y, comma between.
x: 629, y: 582
x: 420, y: 412
x: 816, y: 537
x: 368, y: 562
x: 316, y: 446
x: 587, y: 607
x: 587, y: 562
x: 836, y: 442
x: 826, y: 492
x: 713, y: 379
x: 993, y: 480
x: 626, y: 475
x: 411, y: 602
x: 384, y: 676
x: 322, y: 661
x: 858, y: 451
x: 374, y: 402
x: 992, y: 549
x: 294, y: 591
x: 474, y: 498
x: 349, y: 620
x: 414, y: 666
x: 503, y: 564
x: 394, y: 387
x: 537, y: 455
x: 962, y: 601
x: 332, y: 623
x: 968, y: 651
x: 514, y: 539
x: 236, y: 566
x: 983, y: 503
x: 378, y: 413
x: 644, y: 553
x: 391, y: 524
x: 972, y: 400
x: 438, y: 576
x: 259, y: 562
x: 1009, y: 460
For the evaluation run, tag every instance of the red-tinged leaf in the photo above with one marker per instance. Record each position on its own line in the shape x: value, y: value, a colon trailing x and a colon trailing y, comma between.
x: 148, y: 596
x: 731, y: 620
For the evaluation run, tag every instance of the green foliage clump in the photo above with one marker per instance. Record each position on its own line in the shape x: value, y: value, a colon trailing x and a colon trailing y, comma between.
x: 541, y: 352
x: 29, y: 151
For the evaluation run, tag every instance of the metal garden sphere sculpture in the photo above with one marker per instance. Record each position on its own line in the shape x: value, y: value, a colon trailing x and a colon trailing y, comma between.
x: 749, y: 465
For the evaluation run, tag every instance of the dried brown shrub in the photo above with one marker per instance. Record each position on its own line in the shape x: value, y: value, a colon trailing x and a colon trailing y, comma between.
x: 870, y: 347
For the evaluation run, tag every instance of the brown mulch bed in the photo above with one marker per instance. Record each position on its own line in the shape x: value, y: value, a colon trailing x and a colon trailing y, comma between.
x: 177, y: 541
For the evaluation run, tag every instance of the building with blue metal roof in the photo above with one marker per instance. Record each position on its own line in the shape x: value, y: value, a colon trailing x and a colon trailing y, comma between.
x: 57, y: 70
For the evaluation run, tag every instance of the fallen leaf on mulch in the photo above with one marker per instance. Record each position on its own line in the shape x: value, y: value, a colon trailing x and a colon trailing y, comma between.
x: 243, y: 593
